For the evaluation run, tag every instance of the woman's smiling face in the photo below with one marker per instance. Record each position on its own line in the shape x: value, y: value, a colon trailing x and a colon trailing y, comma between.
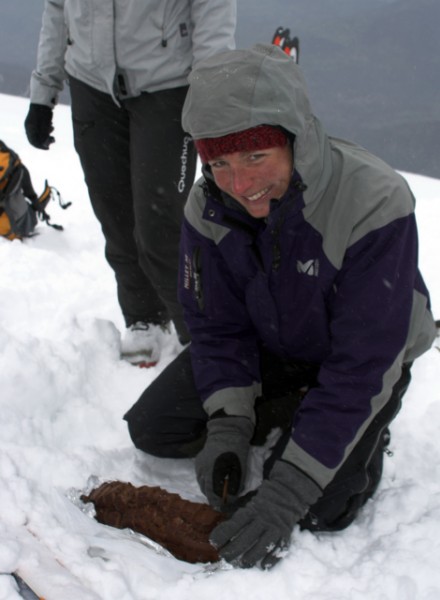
x: 254, y: 178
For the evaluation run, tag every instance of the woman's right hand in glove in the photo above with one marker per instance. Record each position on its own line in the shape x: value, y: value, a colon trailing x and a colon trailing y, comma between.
x: 221, y: 466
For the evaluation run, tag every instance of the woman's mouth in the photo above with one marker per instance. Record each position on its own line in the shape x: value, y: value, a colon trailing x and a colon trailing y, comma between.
x: 257, y: 195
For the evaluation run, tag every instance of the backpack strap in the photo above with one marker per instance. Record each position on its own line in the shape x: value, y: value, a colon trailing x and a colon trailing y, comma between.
x: 40, y: 203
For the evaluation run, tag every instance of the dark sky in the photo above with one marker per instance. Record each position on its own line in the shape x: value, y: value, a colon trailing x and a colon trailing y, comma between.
x: 372, y: 67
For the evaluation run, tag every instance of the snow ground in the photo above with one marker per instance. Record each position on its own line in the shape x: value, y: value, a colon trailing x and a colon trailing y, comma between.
x: 64, y: 390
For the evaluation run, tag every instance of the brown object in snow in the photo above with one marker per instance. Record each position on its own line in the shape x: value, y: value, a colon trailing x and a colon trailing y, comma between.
x: 181, y: 526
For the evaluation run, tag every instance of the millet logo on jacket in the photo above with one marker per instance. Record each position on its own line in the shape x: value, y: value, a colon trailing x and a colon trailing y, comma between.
x: 309, y: 267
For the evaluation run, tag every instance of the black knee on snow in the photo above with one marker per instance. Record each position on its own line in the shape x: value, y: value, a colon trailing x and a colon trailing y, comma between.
x: 145, y: 438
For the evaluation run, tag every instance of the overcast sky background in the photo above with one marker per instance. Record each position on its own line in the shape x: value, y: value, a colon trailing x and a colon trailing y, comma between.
x: 373, y: 68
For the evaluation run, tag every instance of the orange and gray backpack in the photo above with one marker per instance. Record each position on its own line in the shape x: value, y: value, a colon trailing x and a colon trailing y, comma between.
x: 20, y: 206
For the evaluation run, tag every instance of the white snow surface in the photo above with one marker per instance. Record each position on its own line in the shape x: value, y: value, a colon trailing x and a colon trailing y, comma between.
x: 63, y: 394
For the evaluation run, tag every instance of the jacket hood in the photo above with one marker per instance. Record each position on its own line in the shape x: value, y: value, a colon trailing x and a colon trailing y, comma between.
x: 240, y: 89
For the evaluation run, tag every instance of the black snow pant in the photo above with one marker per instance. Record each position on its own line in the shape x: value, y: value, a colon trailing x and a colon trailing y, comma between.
x: 139, y: 166
x: 168, y: 421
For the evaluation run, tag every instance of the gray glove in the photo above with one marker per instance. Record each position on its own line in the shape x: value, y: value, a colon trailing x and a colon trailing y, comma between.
x: 258, y: 532
x: 224, y: 456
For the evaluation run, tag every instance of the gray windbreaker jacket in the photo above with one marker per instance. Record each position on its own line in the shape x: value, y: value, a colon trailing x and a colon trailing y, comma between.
x: 334, y: 282
x: 125, y: 47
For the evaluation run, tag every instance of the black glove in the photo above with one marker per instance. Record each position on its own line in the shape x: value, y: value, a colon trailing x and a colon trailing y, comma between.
x: 224, y: 457
x: 257, y: 533
x: 38, y: 126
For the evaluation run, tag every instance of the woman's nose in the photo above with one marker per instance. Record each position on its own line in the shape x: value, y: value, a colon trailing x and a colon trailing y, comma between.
x: 241, y: 181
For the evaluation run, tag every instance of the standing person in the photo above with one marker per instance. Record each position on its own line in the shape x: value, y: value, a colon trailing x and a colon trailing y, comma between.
x: 127, y: 64
x: 305, y: 305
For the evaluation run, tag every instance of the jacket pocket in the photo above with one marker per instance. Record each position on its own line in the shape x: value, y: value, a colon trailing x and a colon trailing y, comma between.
x: 79, y: 24
x: 78, y: 18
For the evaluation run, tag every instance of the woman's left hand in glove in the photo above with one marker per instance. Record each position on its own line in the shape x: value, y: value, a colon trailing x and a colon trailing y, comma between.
x: 257, y: 533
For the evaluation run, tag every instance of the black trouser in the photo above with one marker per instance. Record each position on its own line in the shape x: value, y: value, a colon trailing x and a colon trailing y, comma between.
x: 139, y: 167
x: 168, y: 421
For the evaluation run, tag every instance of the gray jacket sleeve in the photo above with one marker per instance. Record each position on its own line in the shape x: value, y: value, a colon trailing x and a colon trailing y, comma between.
x: 214, y: 23
x: 48, y: 78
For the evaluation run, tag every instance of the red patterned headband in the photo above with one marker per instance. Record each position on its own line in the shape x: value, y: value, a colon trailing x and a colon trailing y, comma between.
x: 256, y: 138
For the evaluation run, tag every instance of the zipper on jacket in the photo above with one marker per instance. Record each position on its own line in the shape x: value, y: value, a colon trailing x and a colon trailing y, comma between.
x: 197, y: 274
x: 276, y: 248
x: 165, y: 23
x: 276, y: 258
x: 121, y: 87
x: 276, y: 230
